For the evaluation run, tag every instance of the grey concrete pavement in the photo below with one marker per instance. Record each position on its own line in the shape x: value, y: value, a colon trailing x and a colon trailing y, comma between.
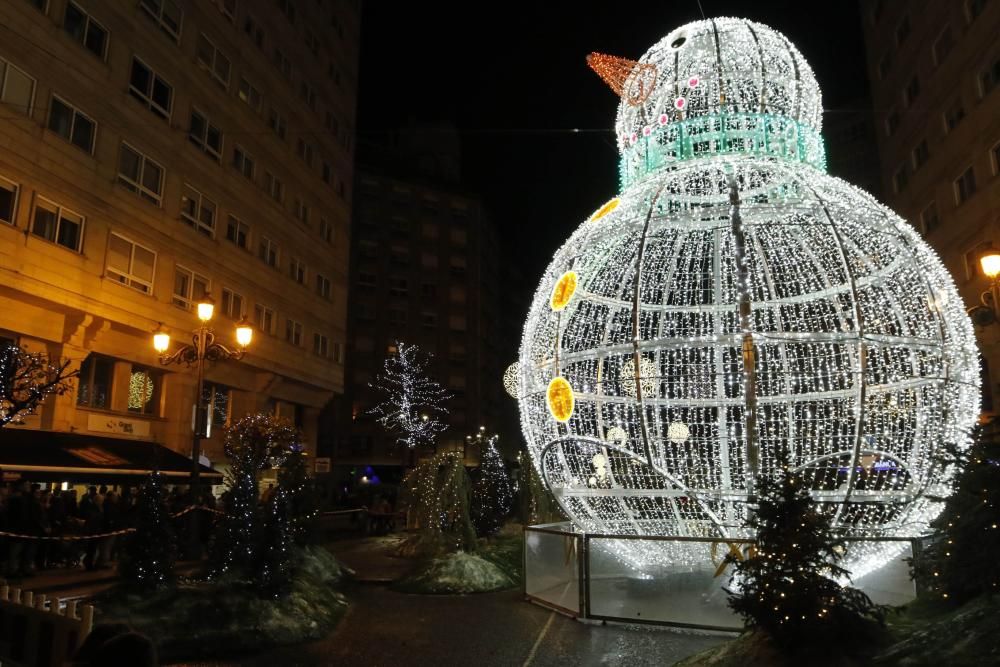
x: 385, y: 628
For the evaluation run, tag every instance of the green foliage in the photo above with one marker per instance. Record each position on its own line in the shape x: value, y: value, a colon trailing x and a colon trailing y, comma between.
x: 273, y: 572
x: 150, y: 552
x: 439, y: 491
x: 302, y: 497
x: 535, y: 502
x: 491, y: 493
x: 787, y: 585
x: 962, y: 563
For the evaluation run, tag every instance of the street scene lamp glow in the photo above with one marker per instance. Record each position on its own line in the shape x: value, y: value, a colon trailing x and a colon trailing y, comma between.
x: 206, y: 308
x: 991, y: 264
x: 161, y: 341
x: 244, y: 333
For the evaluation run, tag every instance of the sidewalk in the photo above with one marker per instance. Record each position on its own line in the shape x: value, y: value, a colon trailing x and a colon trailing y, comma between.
x: 372, y: 558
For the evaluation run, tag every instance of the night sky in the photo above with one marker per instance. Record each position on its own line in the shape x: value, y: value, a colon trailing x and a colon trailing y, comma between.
x: 536, y: 123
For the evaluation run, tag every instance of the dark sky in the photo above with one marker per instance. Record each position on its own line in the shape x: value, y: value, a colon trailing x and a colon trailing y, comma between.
x: 536, y: 123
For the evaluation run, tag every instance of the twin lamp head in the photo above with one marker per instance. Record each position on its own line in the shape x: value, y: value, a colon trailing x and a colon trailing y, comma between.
x: 205, y: 308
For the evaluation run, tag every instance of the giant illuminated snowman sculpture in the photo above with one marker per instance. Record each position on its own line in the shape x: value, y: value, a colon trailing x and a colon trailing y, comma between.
x: 734, y: 300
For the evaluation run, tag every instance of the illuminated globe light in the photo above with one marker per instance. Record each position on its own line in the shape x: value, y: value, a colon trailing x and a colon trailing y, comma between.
x: 769, y: 304
x: 563, y: 291
x: 560, y: 399
x: 510, y: 379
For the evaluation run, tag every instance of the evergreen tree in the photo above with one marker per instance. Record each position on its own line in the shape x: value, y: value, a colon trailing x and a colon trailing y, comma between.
x: 439, y: 492
x: 150, y: 551
x: 535, y: 501
x: 274, y: 551
x: 491, y: 494
x: 412, y: 402
x: 301, y: 495
x: 251, y: 444
x: 962, y: 563
x: 787, y: 581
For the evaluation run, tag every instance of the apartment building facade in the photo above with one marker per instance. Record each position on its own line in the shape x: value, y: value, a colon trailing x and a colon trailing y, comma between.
x: 158, y: 149
x: 934, y: 68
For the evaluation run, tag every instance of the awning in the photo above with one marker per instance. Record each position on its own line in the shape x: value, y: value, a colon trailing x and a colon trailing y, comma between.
x: 57, y: 456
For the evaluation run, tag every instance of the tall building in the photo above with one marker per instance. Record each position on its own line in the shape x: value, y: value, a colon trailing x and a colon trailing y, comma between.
x: 935, y: 73
x: 852, y: 146
x: 154, y: 150
x: 424, y: 269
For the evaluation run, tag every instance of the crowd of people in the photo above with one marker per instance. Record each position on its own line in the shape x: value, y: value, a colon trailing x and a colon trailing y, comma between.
x: 34, y: 512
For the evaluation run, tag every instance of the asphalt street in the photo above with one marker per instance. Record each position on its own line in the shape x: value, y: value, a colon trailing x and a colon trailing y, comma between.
x: 387, y: 628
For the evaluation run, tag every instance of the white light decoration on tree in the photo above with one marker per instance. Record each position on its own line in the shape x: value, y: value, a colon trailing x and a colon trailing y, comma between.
x: 412, y: 402
x: 510, y: 379
x: 767, y: 305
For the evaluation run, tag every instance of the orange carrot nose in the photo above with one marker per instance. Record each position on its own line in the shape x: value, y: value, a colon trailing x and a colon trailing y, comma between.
x: 631, y: 80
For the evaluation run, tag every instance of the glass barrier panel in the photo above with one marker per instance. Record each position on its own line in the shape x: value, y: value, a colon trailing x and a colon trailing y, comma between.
x: 551, y: 568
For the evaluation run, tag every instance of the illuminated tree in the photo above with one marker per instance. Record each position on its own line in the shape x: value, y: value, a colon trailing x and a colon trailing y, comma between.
x: 787, y: 579
x: 151, y: 550
x: 299, y: 492
x: 26, y: 380
x: 491, y: 493
x: 412, y: 402
x: 439, y: 491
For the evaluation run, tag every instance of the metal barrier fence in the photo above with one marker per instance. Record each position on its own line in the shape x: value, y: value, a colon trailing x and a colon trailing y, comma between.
x: 40, y: 632
x: 578, y: 574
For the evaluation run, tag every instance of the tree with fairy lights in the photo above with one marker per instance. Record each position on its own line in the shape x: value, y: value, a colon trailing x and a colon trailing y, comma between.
x: 439, y: 492
x: 491, y: 493
x: 151, y: 550
x: 961, y: 563
x: 787, y: 580
x: 26, y: 380
x: 412, y: 402
x: 251, y: 444
x: 273, y: 571
x: 299, y: 492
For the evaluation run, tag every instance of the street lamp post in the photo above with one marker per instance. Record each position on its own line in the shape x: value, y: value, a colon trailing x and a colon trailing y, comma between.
x: 202, y: 347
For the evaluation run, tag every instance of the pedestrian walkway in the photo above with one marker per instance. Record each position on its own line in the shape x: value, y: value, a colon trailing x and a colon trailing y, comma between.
x: 372, y: 559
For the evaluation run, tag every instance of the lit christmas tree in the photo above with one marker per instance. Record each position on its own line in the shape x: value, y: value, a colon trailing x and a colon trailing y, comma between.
x: 787, y: 579
x: 274, y: 551
x: 491, y: 494
x: 150, y: 551
x: 26, y: 380
x: 412, y: 402
x: 299, y: 491
x: 962, y: 564
x: 439, y: 489
x: 251, y: 445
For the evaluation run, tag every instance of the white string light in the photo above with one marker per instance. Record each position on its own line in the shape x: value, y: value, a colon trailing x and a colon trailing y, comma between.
x: 767, y: 305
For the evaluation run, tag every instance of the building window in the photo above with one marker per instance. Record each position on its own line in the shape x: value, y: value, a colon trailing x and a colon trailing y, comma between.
x: 912, y: 91
x: 457, y: 266
x: 189, y: 287
x: 994, y: 157
x: 9, y: 191
x: 323, y: 286
x: 325, y: 230
x: 428, y: 261
x: 900, y: 178
x: 327, y: 173
x: 920, y: 154
x: 293, y: 332
x: 892, y: 122
x: 903, y: 30
x: 215, y: 399
x: 428, y: 320
x: 205, y: 135
x: 277, y: 123
x: 942, y: 45
x: 965, y: 185
x: 338, y: 352
x: 398, y: 287
x: 151, y: 89
x: 254, y: 32
x: 198, y: 210
x: 312, y: 42
x: 40, y: 5
x: 232, y: 304
x: 143, y: 391
x: 321, y: 345
x: 250, y: 95
x: 366, y: 312
x: 459, y: 236
x: 263, y: 317
x: 140, y: 174
x: 213, y: 59
x: 57, y: 224
x: 228, y: 9
x: 332, y: 123
x: 954, y: 115
x: 973, y: 267
x: 16, y: 88
x: 397, y: 316
x: 85, y: 30
x: 287, y: 8
x: 167, y: 14
x: 369, y: 250
x: 297, y: 270
x: 72, y: 125
x: 367, y: 280
x: 244, y: 162
x: 929, y: 220
x: 304, y: 151
x: 989, y: 78
x: 456, y: 293
x: 283, y: 64
x: 456, y: 322
x: 398, y: 257
x: 301, y: 211
x: 237, y: 232
x: 308, y: 95
x: 130, y: 263
x: 973, y: 8
x: 274, y: 187
x: 884, y: 63
x: 94, y: 384
x: 428, y: 290
x: 267, y: 251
